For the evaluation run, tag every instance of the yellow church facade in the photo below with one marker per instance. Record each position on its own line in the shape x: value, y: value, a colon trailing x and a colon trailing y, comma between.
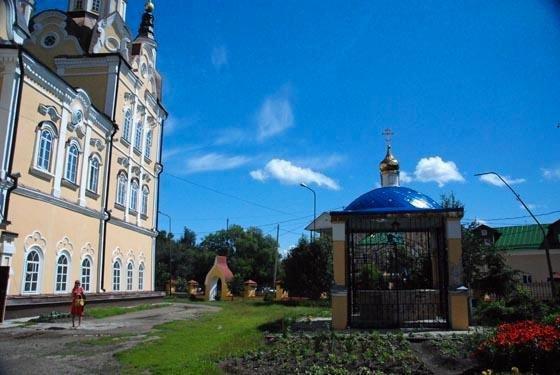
x: 80, y: 129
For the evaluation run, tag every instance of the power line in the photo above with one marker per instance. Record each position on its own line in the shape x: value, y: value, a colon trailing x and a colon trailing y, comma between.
x: 227, y: 194
x: 513, y: 218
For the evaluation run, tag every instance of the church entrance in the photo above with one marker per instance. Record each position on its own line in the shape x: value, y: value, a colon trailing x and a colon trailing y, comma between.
x: 397, y: 272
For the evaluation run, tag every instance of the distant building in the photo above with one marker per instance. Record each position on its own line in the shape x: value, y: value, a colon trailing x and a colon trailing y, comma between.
x: 80, y: 155
x: 523, y: 248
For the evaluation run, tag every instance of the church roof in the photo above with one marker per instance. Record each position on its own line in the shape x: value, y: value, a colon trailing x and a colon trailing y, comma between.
x: 393, y: 199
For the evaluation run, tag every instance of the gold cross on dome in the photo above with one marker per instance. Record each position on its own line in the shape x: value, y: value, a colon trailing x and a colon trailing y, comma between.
x: 388, y: 134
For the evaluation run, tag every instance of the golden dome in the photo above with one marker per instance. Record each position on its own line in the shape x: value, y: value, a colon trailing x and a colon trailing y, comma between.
x: 389, y: 163
x: 149, y: 7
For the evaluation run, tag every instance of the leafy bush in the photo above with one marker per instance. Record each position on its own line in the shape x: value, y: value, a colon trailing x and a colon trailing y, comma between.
x: 530, y: 346
x: 518, y: 305
x: 269, y: 296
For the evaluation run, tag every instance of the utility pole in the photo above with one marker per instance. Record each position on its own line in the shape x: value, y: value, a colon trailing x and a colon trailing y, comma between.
x: 276, y: 255
x: 545, y: 237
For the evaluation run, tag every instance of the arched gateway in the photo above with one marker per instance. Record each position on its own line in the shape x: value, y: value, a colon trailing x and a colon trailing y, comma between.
x: 216, y: 280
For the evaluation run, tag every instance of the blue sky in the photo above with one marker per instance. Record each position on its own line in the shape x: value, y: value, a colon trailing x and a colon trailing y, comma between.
x: 263, y: 95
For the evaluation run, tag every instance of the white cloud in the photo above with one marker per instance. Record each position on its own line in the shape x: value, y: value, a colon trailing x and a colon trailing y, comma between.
x: 495, y: 180
x: 551, y: 174
x: 229, y: 136
x: 321, y: 162
x: 219, y: 57
x: 214, y: 162
x: 405, y: 177
x: 435, y: 169
x: 274, y: 117
x: 290, y: 174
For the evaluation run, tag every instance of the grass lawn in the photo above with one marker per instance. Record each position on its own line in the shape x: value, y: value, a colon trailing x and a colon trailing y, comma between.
x: 104, y: 312
x: 196, y: 346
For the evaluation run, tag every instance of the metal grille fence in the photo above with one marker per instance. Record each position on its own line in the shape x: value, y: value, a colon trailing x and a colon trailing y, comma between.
x: 397, y: 272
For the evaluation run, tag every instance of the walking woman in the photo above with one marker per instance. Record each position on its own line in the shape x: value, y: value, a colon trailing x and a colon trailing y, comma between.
x: 78, y: 302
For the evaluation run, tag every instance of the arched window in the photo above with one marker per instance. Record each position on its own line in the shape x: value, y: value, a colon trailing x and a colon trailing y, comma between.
x: 145, y: 195
x: 127, y: 125
x: 117, y: 275
x: 44, y: 151
x: 93, y: 174
x: 134, y: 187
x: 129, y: 275
x: 86, y: 274
x: 138, y: 137
x: 71, y: 173
x: 148, y: 149
x: 62, y: 273
x: 141, y: 277
x: 32, y: 269
x: 79, y: 5
x: 121, y: 188
x: 96, y: 6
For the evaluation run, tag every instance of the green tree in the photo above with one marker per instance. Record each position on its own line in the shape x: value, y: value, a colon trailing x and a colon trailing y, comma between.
x: 308, y: 269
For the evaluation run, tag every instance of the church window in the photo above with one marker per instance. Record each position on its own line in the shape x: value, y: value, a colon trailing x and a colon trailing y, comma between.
x: 144, y: 206
x: 45, y: 150
x: 32, y: 268
x: 93, y: 174
x: 121, y: 188
x: 148, y: 149
x: 117, y: 275
x: 79, y: 4
x: 129, y: 275
x: 71, y: 173
x: 61, y: 273
x: 138, y: 137
x: 127, y: 125
x: 134, y: 187
x: 141, y: 277
x: 86, y: 274
x: 96, y: 5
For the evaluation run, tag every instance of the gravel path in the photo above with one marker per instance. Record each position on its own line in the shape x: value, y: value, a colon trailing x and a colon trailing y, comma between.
x: 56, y: 348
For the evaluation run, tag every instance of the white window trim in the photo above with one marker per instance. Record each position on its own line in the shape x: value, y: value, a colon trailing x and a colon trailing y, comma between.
x: 71, y: 143
x: 133, y: 183
x: 130, y: 262
x: 45, y: 126
x: 125, y: 136
x: 39, y: 272
x: 91, y: 273
x: 88, y: 182
x: 68, y: 272
x: 145, y: 193
x: 124, y: 202
x: 117, y: 260
x: 143, y: 278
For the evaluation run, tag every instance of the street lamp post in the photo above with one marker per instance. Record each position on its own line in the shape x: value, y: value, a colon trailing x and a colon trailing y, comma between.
x: 169, y: 236
x: 546, y: 245
x: 314, y: 208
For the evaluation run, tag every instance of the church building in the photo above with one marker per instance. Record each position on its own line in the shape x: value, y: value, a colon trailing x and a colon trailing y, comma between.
x: 81, y: 125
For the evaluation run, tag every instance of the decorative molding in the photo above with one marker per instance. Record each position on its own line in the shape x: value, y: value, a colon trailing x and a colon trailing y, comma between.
x: 158, y: 168
x: 35, y: 239
x: 133, y: 227
x: 141, y: 258
x: 49, y: 110
x: 40, y: 196
x: 97, y: 143
x: 124, y: 161
x: 87, y: 250
x: 135, y: 170
x: 117, y: 254
x: 130, y: 256
x: 146, y: 177
x: 64, y: 244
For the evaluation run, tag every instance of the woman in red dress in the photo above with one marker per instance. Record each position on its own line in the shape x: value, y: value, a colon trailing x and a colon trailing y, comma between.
x: 78, y: 301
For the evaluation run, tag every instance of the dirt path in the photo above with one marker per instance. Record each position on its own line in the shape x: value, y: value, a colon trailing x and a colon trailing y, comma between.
x: 56, y: 348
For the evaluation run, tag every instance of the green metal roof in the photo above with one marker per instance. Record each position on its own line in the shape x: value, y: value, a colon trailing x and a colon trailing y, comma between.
x: 522, y: 237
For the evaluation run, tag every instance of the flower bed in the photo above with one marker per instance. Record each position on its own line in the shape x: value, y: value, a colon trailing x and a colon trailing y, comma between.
x: 528, y: 345
x: 330, y: 353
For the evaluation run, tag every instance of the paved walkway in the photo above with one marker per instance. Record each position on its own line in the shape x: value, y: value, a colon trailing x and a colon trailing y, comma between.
x: 57, y: 348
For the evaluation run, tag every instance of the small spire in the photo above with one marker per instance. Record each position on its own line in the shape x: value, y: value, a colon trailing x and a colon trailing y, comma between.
x: 389, y: 166
x: 147, y: 25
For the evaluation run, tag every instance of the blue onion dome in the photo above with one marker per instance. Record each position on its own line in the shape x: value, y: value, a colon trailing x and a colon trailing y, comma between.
x: 393, y: 199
